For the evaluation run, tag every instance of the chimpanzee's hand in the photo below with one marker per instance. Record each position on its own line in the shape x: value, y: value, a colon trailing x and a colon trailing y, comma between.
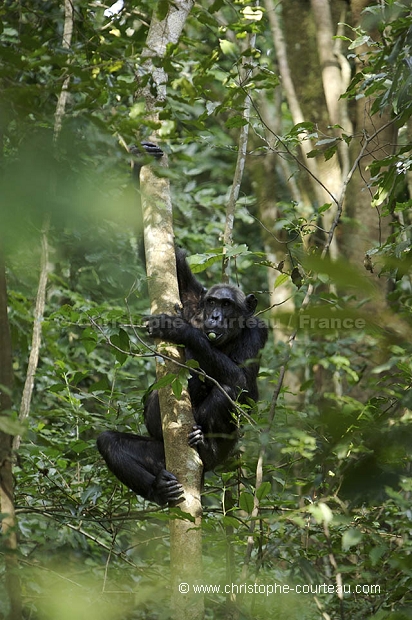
x: 147, y: 148
x: 152, y: 149
x: 143, y: 154
x: 166, y: 327
x: 179, y: 310
x: 196, y: 437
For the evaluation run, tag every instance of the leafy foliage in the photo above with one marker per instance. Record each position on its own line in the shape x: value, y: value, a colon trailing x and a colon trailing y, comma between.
x: 334, y: 500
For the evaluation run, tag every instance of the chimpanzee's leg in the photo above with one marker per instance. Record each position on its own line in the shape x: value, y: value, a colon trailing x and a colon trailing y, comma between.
x: 215, y: 432
x: 139, y: 462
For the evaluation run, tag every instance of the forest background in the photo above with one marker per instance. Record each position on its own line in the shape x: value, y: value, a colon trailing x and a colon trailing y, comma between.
x: 322, y: 93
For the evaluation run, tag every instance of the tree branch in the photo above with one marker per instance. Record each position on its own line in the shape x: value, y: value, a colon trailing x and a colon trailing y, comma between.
x: 244, y: 74
x: 36, y: 336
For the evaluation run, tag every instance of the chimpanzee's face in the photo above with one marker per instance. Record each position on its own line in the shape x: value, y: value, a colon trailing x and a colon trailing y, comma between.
x: 225, y: 310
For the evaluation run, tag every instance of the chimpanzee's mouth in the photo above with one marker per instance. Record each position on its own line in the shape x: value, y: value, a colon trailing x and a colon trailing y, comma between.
x: 213, y: 336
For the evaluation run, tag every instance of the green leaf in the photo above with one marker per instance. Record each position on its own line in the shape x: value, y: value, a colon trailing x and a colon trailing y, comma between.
x: 79, y: 446
x: 326, y: 141
x: 177, y: 388
x: 246, y: 502
x: 303, y: 127
x: 252, y: 13
x: 162, y: 9
x: 216, y: 6
x: 192, y: 364
x: 351, y: 538
x: 324, y: 208
x: 11, y: 426
x: 376, y: 553
x: 321, y: 512
x: 281, y: 279
x: 236, y: 121
x: 228, y: 48
x: 121, y: 341
x: 228, y: 521
x: 363, y: 39
x: 164, y: 381
x: 263, y: 490
x: 57, y: 387
x: 129, y: 79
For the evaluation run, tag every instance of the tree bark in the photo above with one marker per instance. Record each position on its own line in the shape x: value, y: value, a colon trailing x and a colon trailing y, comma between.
x: 366, y: 228
x: 304, y: 93
x: 177, y: 416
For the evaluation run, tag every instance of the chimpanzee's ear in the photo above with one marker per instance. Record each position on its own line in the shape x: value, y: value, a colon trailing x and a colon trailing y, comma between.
x: 202, y: 297
x: 251, y: 303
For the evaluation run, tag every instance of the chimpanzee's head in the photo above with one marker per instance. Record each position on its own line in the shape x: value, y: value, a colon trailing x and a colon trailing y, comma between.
x: 225, y: 313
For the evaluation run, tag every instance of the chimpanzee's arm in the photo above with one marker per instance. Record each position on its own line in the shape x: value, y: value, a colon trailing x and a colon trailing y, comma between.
x: 187, y: 281
x: 215, y: 363
x: 191, y: 290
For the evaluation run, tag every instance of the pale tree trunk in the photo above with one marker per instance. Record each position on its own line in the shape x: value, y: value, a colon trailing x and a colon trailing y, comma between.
x: 66, y: 44
x: 314, y: 87
x: 320, y: 75
x: 177, y: 416
x: 368, y: 229
x: 273, y: 182
x: 335, y: 69
x: 314, y: 74
x: 36, y: 335
x: 335, y: 79
x: 268, y: 193
x: 246, y: 74
x: 288, y: 86
x: 319, y: 181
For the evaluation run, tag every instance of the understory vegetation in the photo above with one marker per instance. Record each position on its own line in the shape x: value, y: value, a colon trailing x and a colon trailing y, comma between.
x: 317, y: 500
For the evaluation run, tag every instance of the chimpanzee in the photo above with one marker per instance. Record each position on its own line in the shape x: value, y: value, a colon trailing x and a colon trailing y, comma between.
x: 219, y: 331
